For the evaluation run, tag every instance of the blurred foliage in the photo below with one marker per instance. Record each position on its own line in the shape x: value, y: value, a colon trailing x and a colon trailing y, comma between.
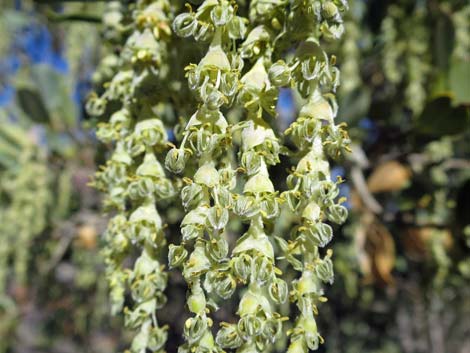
x: 404, y: 255
x: 51, y: 296
x: 402, y: 261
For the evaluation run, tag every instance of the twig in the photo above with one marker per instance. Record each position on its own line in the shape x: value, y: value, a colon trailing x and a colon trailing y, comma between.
x: 59, y: 251
x: 361, y: 186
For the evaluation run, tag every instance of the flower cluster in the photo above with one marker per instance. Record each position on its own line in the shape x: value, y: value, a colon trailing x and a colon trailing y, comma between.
x: 25, y: 191
x: 461, y: 20
x: 252, y: 261
x: 133, y: 179
x: 223, y: 156
x: 25, y: 217
x: 207, y: 197
x: 399, y: 46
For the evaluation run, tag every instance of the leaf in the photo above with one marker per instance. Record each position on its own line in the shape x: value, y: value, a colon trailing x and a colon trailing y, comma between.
x: 440, y: 118
x: 459, y: 80
x: 355, y: 105
x: 30, y: 101
x: 14, y: 20
x: 44, y: 96
x: 388, y: 176
x: 87, y: 237
x: 56, y: 93
x: 417, y: 241
x: 380, y: 247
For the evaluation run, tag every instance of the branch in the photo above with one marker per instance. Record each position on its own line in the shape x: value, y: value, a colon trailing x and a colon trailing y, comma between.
x: 361, y: 187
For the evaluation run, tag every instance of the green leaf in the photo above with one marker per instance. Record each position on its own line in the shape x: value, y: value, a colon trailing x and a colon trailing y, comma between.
x: 30, y: 101
x: 441, y: 118
x: 56, y: 93
x: 354, y: 105
x: 459, y: 80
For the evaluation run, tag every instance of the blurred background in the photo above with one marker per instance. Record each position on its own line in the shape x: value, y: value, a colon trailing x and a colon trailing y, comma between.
x: 402, y: 261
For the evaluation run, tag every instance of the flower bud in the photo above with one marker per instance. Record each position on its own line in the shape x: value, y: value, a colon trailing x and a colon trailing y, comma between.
x: 164, y: 188
x: 175, y: 160
x: 278, y: 291
x: 204, y: 32
x: 197, y: 264
x: 259, y: 183
x: 249, y: 326
x: 245, y: 206
x: 297, y: 346
x: 311, y: 335
x: 259, y: 243
x: 337, y: 214
x: 308, y: 284
x: 217, y: 249
x: 236, y: 28
x: 96, y: 106
x: 135, y: 318
x: 141, y: 187
x: 257, y: 78
x: 257, y: 40
x: 195, y: 328
x: 272, y: 328
x: 329, y: 10
x: 150, y: 167
x: 262, y: 270
x: 225, y: 285
x: 269, y: 208
x: 120, y: 119
x: 324, y: 270
x: 279, y: 74
x: 230, y: 83
x: 120, y: 85
x: 319, y: 234
x: 197, y: 302
x: 215, y: 59
x: 212, y: 98
x: 120, y: 155
x: 223, y: 195
x: 191, y: 231
x: 157, y: 338
x: 191, y: 195
x: 312, y: 212
x: 228, y: 337
x: 332, y: 31
x: 105, y: 133
x: 251, y: 162
x: 227, y: 177
x: 222, y: 14
x: 242, y: 266
x: 185, y: 25
x: 151, y: 132
x: 318, y: 109
x: 327, y: 191
x: 117, y: 290
x: 293, y: 200
x: 207, y: 175
x: 202, y: 141
x: 177, y: 254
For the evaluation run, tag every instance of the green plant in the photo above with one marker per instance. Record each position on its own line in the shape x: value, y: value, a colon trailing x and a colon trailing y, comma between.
x: 222, y: 158
x: 221, y: 209
x: 49, y: 261
x: 24, y: 190
x: 403, y: 250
